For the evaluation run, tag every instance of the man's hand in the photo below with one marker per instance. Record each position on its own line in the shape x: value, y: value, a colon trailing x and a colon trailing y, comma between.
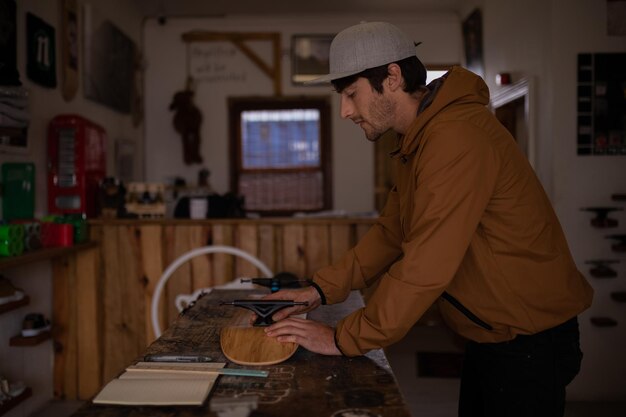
x: 312, y: 335
x: 308, y: 294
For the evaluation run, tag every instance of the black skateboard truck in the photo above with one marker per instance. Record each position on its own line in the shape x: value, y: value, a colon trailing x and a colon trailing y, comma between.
x: 601, y: 268
x: 602, y: 219
x: 264, y: 309
x: 620, y: 246
x: 279, y: 281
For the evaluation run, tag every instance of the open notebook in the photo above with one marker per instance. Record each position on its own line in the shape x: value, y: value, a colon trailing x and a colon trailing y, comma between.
x: 152, y: 383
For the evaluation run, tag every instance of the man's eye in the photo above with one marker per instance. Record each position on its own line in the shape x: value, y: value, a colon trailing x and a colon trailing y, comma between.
x: 352, y: 94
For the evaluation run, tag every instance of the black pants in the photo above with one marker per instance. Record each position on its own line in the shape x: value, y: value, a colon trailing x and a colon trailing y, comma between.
x: 526, y: 376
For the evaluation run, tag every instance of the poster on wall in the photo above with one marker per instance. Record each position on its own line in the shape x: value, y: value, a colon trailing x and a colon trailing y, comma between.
x: 40, y: 52
x: 601, y: 108
x: 109, y: 63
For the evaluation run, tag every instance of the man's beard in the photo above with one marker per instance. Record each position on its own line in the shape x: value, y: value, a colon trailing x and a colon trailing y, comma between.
x: 380, y: 112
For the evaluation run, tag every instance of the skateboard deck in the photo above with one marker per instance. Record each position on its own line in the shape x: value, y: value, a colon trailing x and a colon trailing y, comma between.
x: 245, y: 344
x: 69, y: 48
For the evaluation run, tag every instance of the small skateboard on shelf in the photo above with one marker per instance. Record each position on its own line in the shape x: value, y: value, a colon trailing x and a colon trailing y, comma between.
x: 69, y: 48
x: 247, y: 344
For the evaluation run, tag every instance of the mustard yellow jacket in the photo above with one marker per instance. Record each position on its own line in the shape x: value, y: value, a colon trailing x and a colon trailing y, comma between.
x: 469, y: 217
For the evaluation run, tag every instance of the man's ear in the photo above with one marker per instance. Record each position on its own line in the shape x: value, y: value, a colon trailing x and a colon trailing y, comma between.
x: 394, y: 77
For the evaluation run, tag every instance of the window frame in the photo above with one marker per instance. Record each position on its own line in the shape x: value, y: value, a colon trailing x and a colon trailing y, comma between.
x: 236, y: 105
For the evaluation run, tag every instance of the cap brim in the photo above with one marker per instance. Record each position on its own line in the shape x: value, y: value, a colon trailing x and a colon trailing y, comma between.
x: 325, y: 79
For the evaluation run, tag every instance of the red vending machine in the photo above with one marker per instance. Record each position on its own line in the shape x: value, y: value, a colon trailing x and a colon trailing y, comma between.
x: 76, y: 164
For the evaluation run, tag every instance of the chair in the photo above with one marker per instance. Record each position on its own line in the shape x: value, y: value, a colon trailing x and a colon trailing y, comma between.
x: 183, y: 300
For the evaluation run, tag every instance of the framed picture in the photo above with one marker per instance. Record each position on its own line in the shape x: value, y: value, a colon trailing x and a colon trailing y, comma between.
x: 125, y: 159
x: 13, y: 139
x: 309, y: 57
x: 473, y: 42
x: 109, y: 62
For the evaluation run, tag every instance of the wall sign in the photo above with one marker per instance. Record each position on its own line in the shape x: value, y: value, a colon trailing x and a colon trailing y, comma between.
x: 601, y: 107
x: 216, y: 62
x: 40, y: 53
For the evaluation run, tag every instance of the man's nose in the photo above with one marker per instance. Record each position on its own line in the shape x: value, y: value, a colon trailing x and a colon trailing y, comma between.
x: 346, y: 108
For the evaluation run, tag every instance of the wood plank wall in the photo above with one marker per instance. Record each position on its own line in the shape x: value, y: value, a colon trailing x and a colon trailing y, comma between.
x: 106, y: 315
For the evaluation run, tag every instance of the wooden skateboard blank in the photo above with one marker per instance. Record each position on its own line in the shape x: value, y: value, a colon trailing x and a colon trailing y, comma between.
x: 247, y: 345
x: 251, y: 346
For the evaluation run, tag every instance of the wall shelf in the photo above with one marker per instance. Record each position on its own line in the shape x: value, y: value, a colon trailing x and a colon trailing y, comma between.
x: 43, y: 254
x: 603, y: 322
x: 619, y: 296
x: 14, y: 304
x: 20, y: 340
x: 7, y: 405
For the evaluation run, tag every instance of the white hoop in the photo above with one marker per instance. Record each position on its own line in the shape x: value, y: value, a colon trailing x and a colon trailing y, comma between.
x: 184, y: 258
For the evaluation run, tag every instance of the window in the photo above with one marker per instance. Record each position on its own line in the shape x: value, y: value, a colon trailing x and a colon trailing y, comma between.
x: 280, y: 153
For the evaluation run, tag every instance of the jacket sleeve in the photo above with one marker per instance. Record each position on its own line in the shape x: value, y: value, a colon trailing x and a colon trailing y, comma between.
x: 362, y: 265
x: 456, y: 175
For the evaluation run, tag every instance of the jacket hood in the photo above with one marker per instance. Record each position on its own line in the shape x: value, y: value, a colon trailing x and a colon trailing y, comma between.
x: 457, y: 86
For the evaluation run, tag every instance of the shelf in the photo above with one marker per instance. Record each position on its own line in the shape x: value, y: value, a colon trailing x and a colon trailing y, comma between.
x: 619, y: 296
x: 20, y: 340
x: 43, y: 254
x: 619, y: 197
x: 14, y: 304
x: 7, y: 405
x: 603, y: 322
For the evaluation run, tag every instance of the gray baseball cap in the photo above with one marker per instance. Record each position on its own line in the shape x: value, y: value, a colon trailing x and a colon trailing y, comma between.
x: 363, y: 46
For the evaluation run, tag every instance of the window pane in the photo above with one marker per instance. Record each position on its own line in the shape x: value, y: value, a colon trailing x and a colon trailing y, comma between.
x: 280, y: 138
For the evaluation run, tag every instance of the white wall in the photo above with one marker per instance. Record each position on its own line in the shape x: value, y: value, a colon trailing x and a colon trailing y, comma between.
x: 583, y: 181
x: 352, y: 155
x: 45, y: 103
x: 542, y: 39
x: 34, y: 364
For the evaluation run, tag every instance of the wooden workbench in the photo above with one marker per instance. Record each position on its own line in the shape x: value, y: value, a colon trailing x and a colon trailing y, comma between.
x: 307, y: 384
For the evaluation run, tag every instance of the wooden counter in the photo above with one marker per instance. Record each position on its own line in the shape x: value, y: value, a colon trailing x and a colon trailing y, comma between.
x: 113, y: 314
x: 305, y: 385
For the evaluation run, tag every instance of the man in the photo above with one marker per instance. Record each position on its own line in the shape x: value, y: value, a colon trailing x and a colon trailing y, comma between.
x: 467, y: 225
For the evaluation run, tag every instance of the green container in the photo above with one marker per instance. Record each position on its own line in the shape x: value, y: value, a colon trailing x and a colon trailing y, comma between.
x: 18, y: 190
x: 9, y: 232
x: 11, y: 247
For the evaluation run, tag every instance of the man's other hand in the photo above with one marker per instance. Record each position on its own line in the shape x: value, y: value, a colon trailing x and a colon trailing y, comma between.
x: 312, y: 335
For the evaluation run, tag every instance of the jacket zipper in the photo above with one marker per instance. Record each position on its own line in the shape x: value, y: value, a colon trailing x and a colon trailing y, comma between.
x: 456, y: 303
